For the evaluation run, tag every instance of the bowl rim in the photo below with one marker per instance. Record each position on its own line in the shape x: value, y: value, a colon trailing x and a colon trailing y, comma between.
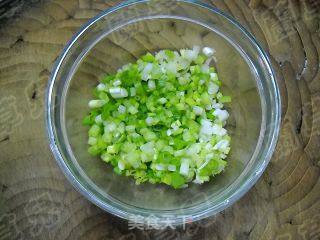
x: 120, y: 212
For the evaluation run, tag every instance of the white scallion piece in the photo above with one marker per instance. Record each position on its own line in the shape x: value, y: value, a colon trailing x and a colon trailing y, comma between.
x: 118, y: 92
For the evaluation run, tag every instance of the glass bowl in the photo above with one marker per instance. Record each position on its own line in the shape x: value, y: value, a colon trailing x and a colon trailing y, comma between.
x: 120, y: 35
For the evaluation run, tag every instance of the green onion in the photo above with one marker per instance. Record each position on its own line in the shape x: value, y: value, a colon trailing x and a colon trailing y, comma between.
x: 161, y: 119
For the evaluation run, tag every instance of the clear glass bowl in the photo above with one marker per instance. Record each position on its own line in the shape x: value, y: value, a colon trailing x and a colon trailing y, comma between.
x: 119, y: 36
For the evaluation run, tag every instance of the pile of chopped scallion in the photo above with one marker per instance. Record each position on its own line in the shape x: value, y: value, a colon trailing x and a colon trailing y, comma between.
x: 161, y: 119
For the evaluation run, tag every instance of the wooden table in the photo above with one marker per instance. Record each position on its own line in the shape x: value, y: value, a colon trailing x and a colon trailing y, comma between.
x: 37, y: 202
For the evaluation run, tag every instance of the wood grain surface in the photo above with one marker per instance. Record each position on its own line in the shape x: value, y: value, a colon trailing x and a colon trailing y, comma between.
x: 36, y: 200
